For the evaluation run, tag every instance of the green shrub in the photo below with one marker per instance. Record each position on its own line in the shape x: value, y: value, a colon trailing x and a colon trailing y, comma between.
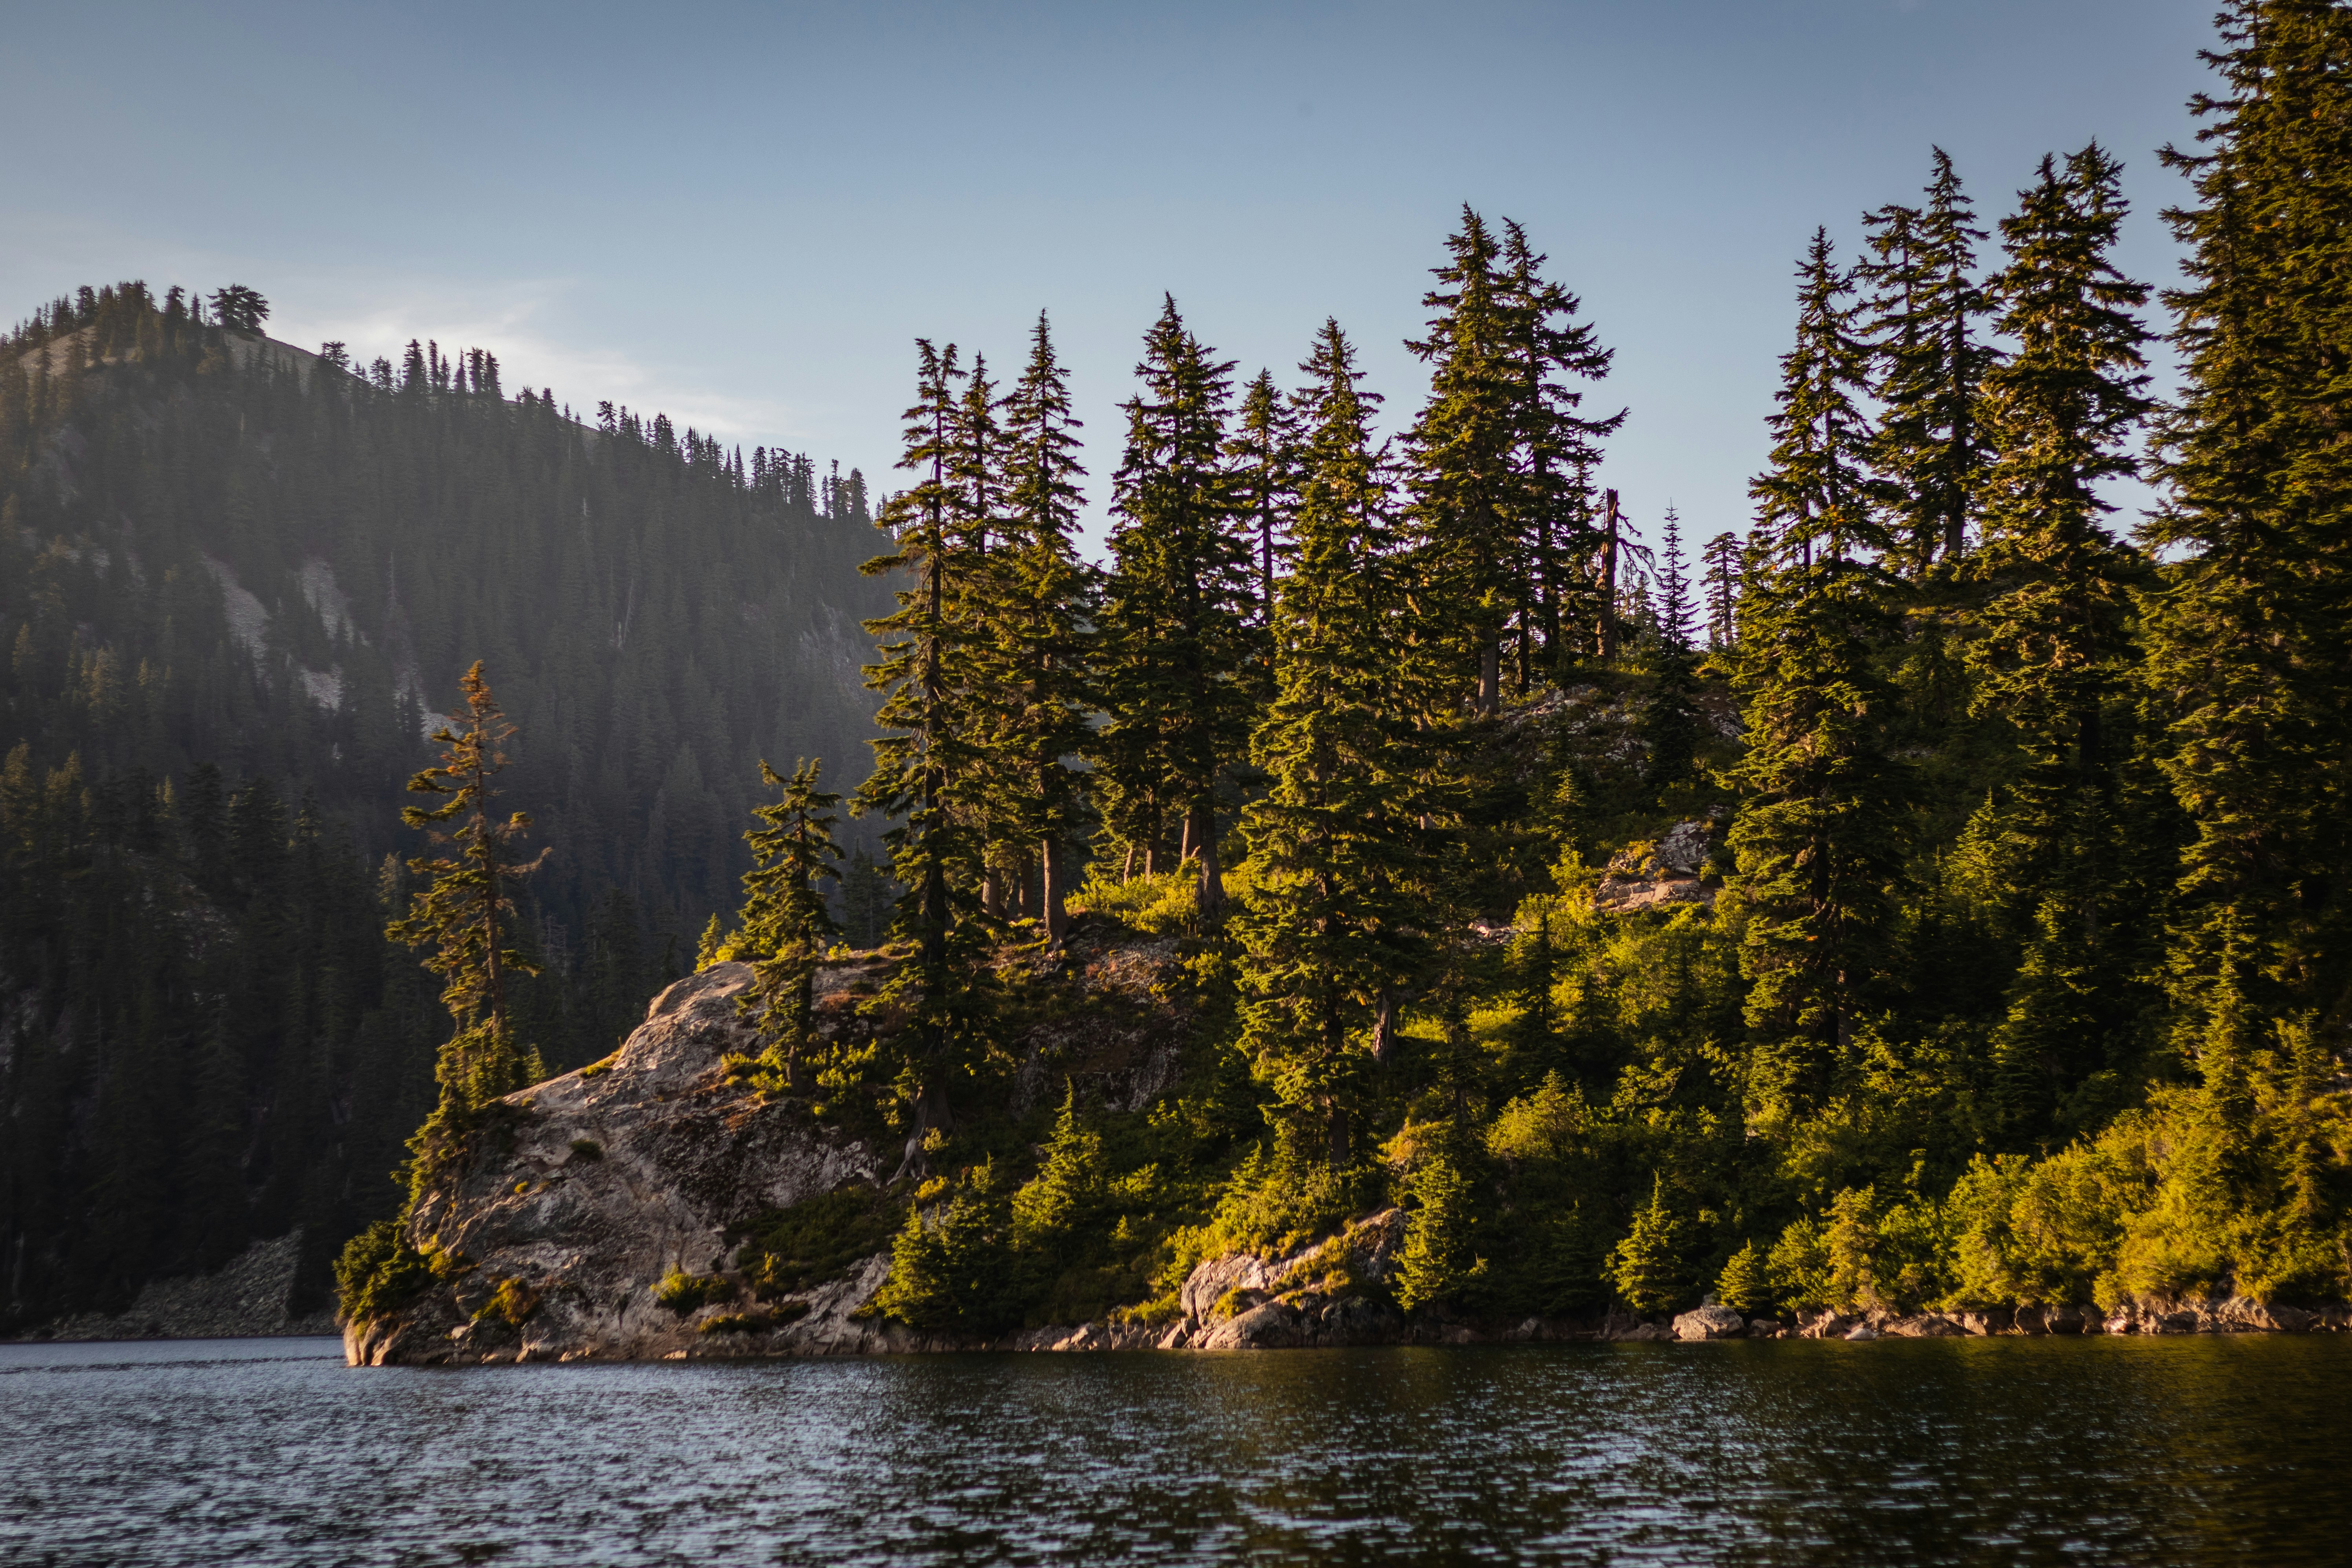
x: 587, y: 1149
x: 682, y: 1292
x: 815, y: 1240
x: 1167, y: 904
x: 512, y: 1303
x: 379, y: 1272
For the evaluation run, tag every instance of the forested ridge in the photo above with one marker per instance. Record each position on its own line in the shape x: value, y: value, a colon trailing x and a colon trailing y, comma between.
x: 238, y: 582
x: 1934, y: 897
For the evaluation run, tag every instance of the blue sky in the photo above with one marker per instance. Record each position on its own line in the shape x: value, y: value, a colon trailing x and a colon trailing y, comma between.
x: 743, y: 214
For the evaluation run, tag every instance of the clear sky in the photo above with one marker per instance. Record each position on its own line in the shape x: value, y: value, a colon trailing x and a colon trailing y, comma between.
x: 743, y: 214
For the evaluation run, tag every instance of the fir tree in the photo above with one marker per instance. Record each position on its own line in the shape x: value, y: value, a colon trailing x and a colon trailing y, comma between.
x: 1264, y: 458
x: 2251, y: 633
x: 1673, y: 612
x: 1465, y: 483
x: 462, y: 909
x: 1548, y: 352
x: 1438, y: 1258
x: 1920, y: 321
x: 1175, y: 616
x: 1744, y: 1284
x: 1817, y: 836
x: 787, y: 925
x: 1647, y: 1267
x: 1042, y: 640
x: 1721, y: 579
x: 924, y: 768
x: 1334, y: 928
x: 2052, y: 648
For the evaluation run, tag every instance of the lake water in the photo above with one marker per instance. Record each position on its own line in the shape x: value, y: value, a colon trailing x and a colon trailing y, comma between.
x: 2073, y: 1451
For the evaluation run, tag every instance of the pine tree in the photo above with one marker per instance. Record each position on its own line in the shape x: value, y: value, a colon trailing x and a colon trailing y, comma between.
x: 1745, y: 1285
x: 1816, y: 837
x: 1336, y: 926
x: 1548, y: 352
x: 2251, y: 630
x: 2053, y: 647
x: 1673, y: 611
x: 462, y: 910
x: 1437, y: 1258
x: 1175, y: 617
x: 1920, y: 321
x: 1721, y: 578
x: 924, y: 769
x: 786, y: 925
x: 1264, y: 458
x: 1042, y: 640
x: 1463, y: 479
x: 1647, y: 1267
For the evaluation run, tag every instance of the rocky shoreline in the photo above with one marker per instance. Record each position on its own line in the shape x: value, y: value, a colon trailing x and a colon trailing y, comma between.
x: 590, y: 1196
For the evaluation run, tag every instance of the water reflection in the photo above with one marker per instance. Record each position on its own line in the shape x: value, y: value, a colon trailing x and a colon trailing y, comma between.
x: 1931, y: 1451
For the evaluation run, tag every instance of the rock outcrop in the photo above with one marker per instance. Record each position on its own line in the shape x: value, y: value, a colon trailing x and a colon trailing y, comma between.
x: 1654, y: 875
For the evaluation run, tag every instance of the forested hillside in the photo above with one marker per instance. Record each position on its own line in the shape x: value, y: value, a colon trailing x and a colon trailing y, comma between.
x: 238, y: 583
x: 1959, y: 920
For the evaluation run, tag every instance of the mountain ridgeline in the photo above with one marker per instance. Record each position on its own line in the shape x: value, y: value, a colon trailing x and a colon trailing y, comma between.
x: 238, y: 583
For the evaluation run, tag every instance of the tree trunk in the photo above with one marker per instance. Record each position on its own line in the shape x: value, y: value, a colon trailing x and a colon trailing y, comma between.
x: 1490, y: 679
x: 1384, y: 1026
x: 1609, y: 576
x: 1052, y: 896
x: 1339, y: 1134
x: 991, y: 892
x: 1201, y: 827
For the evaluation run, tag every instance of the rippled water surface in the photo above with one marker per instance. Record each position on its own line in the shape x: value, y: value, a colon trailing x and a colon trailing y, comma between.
x: 2075, y: 1451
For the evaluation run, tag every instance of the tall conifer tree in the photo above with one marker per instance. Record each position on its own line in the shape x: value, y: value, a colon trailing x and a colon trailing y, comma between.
x: 1464, y: 476
x: 924, y: 768
x: 2252, y: 633
x: 1550, y: 352
x: 787, y: 924
x: 1817, y: 834
x: 1334, y: 928
x: 1175, y: 620
x: 2053, y: 644
x: 1041, y: 637
x: 1921, y: 320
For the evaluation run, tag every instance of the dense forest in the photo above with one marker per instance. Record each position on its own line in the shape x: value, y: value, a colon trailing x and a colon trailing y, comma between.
x: 1935, y: 896
x: 238, y: 583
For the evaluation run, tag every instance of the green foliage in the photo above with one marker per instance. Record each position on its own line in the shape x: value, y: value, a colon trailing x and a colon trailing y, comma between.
x: 378, y: 1273
x: 683, y: 1293
x: 786, y: 925
x: 1647, y: 1267
x: 1438, y: 1258
x: 1745, y: 1283
x: 512, y: 1303
x: 587, y: 1149
x: 815, y: 1240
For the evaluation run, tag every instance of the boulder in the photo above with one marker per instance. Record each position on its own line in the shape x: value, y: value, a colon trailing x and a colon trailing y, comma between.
x: 1270, y: 1327
x: 1766, y: 1329
x: 1924, y: 1326
x: 1821, y: 1323
x: 1860, y: 1331
x: 1710, y: 1322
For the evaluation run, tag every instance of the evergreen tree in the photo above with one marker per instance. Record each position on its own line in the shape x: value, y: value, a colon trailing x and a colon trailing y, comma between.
x: 1920, y: 322
x: 1745, y: 1285
x: 1336, y: 927
x: 1817, y: 837
x: 1042, y: 642
x: 1647, y: 1267
x: 786, y: 924
x: 2251, y: 633
x: 1463, y: 479
x: 1673, y: 612
x: 1264, y: 457
x: 1175, y: 616
x: 1437, y: 1257
x: 1721, y: 578
x: 1548, y: 352
x: 2053, y: 647
x: 461, y: 908
x: 924, y: 770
